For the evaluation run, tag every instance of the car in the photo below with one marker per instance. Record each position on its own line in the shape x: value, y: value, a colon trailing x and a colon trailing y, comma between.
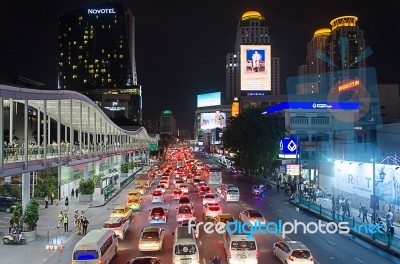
x: 251, y: 216
x: 120, y: 226
x: 176, y: 194
x: 196, y: 181
x: 151, y: 239
x: 145, y: 260
x: 133, y: 193
x: 292, y: 252
x: 157, y: 197
x: 165, y: 183
x: 140, y: 189
x: 184, y: 188
x: 158, y: 215
x: 201, y: 184
x: 179, y: 183
x: 184, y: 200
x: 165, y: 178
x: 122, y: 210
x: 184, y: 212
x: 193, y: 224
x: 224, y: 218
x: 210, y: 198
x: 161, y: 188
x: 203, y: 190
x: 176, y: 178
x: 211, y: 210
x: 134, y: 203
x: 7, y: 203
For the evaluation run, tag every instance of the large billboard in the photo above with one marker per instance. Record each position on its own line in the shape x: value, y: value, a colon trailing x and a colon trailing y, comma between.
x: 213, y: 120
x: 209, y: 99
x: 255, y: 67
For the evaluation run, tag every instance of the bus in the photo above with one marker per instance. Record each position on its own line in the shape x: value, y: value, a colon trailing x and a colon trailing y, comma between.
x: 212, y: 174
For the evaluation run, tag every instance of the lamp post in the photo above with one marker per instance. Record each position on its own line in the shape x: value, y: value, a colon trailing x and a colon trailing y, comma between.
x: 374, y: 199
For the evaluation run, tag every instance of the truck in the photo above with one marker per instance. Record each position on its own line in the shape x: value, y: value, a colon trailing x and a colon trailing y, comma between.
x: 143, y: 179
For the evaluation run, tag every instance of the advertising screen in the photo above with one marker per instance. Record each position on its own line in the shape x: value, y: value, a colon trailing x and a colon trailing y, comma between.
x: 255, y: 67
x: 209, y: 99
x: 292, y: 169
x: 213, y: 120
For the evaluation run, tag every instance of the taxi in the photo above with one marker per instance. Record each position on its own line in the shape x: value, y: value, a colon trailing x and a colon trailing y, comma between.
x: 122, y: 210
x: 133, y: 193
x: 140, y: 189
x: 135, y: 203
x: 224, y: 218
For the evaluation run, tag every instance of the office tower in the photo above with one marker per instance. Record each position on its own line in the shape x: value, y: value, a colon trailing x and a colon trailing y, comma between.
x: 97, y: 58
x: 252, y: 31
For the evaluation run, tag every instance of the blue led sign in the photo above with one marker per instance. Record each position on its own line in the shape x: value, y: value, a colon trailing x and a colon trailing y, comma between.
x: 289, y: 146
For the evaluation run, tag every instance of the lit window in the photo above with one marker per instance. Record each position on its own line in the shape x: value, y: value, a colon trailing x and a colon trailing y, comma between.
x: 80, y: 47
x: 120, y: 46
x: 121, y: 56
x: 91, y: 71
x: 109, y: 80
x: 85, y: 42
x: 96, y: 61
x: 69, y: 29
x: 74, y: 76
x: 80, y: 57
x: 115, y: 56
x: 84, y: 81
x: 102, y: 51
x: 103, y: 70
x: 61, y: 64
x: 65, y: 77
x: 74, y: 67
x: 86, y: 32
x: 96, y: 75
x: 102, y: 26
x: 61, y: 54
x: 85, y: 37
x: 115, y: 21
x: 108, y: 75
x: 91, y: 66
x: 108, y: 56
x: 74, y: 42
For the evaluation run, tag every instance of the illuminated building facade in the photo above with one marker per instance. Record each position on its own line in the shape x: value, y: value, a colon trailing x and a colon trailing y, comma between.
x: 97, y: 57
x: 252, y: 30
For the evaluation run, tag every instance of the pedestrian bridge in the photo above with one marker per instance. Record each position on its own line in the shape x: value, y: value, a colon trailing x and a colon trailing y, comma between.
x: 70, y: 129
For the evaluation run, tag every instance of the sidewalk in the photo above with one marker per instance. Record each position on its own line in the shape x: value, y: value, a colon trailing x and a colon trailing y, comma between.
x: 47, y: 231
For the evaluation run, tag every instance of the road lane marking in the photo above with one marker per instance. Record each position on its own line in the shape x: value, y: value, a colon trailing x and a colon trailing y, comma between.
x: 331, y: 242
x: 201, y: 243
x: 204, y: 261
x: 360, y: 260
x: 280, y: 211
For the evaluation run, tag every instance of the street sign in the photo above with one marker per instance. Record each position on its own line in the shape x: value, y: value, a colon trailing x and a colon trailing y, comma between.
x: 153, y: 146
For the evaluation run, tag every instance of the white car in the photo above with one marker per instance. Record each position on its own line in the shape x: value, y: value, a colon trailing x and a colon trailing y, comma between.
x: 184, y: 212
x: 210, y: 198
x: 178, y: 183
x: 151, y: 239
x: 165, y: 183
x: 158, y: 197
x: 211, y: 210
x: 161, y: 188
x: 120, y: 226
x: 292, y: 252
x: 184, y: 188
x: 252, y: 216
x: 158, y: 215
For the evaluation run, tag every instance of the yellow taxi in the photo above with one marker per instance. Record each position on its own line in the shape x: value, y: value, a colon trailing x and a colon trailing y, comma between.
x: 224, y: 218
x: 122, y: 211
x: 140, y: 189
x: 134, y: 203
x: 133, y: 193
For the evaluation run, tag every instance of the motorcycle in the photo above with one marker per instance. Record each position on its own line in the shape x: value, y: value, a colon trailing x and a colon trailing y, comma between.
x: 292, y: 197
x: 258, y: 190
x: 18, y: 239
x: 215, y: 260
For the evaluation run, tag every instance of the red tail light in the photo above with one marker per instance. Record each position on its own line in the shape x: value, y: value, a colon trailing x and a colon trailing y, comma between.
x: 291, y: 258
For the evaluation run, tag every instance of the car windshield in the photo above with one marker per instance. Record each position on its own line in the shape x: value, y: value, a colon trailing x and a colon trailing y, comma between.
x: 144, y: 261
x: 185, y: 249
x: 133, y: 201
x: 86, y: 255
x: 119, y: 211
x: 157, y: 211
x: 255, y: 215
x: 232, y: 192
x: 243, y: 245
x: 150, y: 235
x: 184, y: 210
x: 111, y: 225
x: 301, y: 254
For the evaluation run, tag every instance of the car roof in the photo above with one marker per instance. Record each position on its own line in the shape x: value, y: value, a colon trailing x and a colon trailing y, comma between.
x: 225, y: 216
x: 253, y: 211
x: 120, y: 207
x: 113, y: 219
x: 151, y: 229
x: 295, y: 245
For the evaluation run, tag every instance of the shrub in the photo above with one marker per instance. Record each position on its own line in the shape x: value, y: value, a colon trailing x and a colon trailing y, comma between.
x: 86, y: 186
x: 31, y: 215
x: 124, y: 168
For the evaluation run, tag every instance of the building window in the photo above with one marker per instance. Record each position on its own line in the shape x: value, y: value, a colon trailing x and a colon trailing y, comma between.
x: 74, y: 76
x: 320, y: 120
x: 74, y: 67
x: 299, y: 120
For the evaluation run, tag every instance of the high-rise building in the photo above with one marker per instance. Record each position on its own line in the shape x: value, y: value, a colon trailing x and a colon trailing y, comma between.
x: 331, y: 55
x: 252, y: 33
x: 97, y: 57
x: 167, y: 125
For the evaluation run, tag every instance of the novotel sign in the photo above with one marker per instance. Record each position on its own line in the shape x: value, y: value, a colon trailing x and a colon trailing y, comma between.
x: 101, y: 11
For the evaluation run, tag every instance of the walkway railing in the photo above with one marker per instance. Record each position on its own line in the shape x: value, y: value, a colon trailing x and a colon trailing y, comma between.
x: 385, y: 238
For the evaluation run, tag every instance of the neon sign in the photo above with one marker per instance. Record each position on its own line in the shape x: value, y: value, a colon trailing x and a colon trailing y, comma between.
x: 348, y: 85
x: 101, y: 11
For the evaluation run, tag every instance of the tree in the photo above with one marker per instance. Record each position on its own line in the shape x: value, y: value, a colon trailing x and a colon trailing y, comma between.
x: 86, y: 186
x: 31, y: 215
x: 47, y: 183
x: 255, y: 138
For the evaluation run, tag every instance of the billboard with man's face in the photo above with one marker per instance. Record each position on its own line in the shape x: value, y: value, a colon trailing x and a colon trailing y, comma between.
x: 255, y: 67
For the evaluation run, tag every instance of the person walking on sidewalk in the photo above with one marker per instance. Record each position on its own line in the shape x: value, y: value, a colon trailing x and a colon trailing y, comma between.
x: 60, y: 219
x: 65, y: 223
x: 76, y: 193
x: 66, y: 203
x: 51, y: 198
x: 46, y: 202
x: 360, y: 210
x: 76, y: 219
x: 85, y: 224
x: 72, y: 193
x: 365, y: 212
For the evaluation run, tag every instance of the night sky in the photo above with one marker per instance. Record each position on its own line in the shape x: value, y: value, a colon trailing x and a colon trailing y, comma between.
x: 181, y: 45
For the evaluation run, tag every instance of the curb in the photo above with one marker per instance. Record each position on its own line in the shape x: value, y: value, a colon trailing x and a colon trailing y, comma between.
x: 363, y: 237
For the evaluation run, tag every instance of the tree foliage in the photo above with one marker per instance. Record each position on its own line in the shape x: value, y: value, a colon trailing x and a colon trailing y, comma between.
x: 47, y: 183
x: 86, y: 186
x: 255, y: 138
x: 31, y: 215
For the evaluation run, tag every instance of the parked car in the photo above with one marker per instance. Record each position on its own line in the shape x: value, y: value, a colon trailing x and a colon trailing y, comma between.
x: 7, y: 203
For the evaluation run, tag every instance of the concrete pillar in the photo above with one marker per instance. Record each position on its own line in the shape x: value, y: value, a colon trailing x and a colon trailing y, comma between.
x: 1, y: 136
x: 71, y: 129
x: 59, y: 132
x: 26, y: 134
x: 38, y: 128
x: 80, y: 130
x: 44, y: 132
x: 86, y: 171
x: 48, y: 130
x: 59, y: 182
x: 11, y: 134
x: 97, y: 167
x: 26, y: 190
x: 95, y: 133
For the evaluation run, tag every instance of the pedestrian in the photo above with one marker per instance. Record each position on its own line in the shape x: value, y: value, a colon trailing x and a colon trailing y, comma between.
x: 72, y: 193
x: 60, y: 219
x: 65, y: 220
x: 360, y: 210
x: 10, y: 226
x: 66, y: 203
x: 76, y: 218
x: 46, y: 202
x: 51, y: 198
x: 365, y: 212
x: 85, y: 224
x: 76, y: 193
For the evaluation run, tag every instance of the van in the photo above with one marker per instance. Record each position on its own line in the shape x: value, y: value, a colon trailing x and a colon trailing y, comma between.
x: 230, y: 193
x: 185, y: 249
x: 240, y: 249
x: 98, y: 246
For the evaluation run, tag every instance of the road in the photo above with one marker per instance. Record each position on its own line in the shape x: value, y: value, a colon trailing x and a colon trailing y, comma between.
x: 326, y: 249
